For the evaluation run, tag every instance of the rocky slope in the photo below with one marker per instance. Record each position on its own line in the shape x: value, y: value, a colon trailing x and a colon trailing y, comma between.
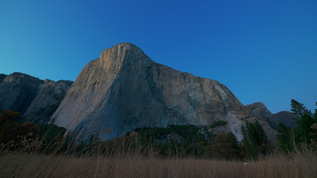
x: 259, y: 109
x: 124, y: 89
x: 284, y: 117
x: 35, y: 99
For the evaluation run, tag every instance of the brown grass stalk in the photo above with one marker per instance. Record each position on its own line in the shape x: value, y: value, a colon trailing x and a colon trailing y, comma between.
x: 20, y: 164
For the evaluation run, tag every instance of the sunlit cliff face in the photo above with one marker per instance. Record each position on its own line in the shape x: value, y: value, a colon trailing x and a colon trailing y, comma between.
x: 124, y: 89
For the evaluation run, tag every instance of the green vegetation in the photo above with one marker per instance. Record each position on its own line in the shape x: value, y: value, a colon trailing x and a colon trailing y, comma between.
x: 255, y: 140
x: 175, y: 141
x: 218, y: 123
x: 12, y: 132
x: 180, y: 140
x: 225, y: 146
x: 15, y: 135
x: 190, y: 141
x: 46, y: 151
x: 305, y: 134
x: 50, y: 131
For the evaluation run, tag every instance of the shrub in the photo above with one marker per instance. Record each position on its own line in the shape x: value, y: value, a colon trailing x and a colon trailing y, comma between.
x: 225, y: 146
x: 218, y: 123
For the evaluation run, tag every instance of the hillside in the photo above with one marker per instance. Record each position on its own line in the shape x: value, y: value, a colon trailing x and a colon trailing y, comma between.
x: 35, y: 99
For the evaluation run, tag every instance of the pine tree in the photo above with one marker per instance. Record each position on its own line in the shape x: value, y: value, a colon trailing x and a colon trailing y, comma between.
x: 285, y: 138
x: 255, y: 140
x: 304, y: 133
x: 298, y: 109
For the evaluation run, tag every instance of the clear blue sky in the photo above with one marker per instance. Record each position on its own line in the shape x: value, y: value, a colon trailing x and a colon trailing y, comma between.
x: 261, y: 50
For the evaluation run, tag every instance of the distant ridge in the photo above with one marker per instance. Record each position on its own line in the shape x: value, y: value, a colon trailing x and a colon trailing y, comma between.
x: 285, y: 117
x: 35, y: 99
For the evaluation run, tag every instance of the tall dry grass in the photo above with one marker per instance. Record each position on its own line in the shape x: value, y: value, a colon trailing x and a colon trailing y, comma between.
x: 125, y: 158
x: 20, y: 164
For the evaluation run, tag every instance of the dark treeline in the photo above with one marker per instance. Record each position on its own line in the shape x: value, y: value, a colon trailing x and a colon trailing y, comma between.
x: 173, y: 141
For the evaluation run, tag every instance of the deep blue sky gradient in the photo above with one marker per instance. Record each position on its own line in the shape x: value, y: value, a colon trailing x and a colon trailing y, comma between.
x: 261, y: 50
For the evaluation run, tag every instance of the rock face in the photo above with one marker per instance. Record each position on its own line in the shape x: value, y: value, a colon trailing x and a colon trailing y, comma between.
x: 35, y: 99
x: 124, y: 89
x: 285, y: 117
x: 259, y: 109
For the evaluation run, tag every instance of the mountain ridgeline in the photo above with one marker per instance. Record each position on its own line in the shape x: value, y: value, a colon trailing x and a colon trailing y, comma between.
x: 124, y: 89
x: 285, y: 117
x: 35, y: 99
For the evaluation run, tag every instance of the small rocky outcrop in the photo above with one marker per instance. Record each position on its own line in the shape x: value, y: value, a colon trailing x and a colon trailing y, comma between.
x: 259, y: 109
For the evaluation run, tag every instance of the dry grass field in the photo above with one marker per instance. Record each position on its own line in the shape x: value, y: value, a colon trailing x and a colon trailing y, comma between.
x: 17, y: 164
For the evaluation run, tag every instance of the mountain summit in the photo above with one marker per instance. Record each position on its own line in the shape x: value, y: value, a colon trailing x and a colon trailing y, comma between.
x: 124, y: 89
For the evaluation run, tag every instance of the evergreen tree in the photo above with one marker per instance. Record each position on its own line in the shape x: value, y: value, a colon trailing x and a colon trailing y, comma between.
x: 304, y: 130
x: 298, y: 109
x: 285, y: 138
x: 255, y: 140
x: 304, y: 133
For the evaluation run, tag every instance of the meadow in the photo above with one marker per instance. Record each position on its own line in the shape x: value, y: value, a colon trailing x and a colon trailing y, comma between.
x: 21, y: 164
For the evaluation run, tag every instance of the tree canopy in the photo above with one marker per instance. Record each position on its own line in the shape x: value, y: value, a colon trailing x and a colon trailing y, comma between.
x: 304, y: 134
